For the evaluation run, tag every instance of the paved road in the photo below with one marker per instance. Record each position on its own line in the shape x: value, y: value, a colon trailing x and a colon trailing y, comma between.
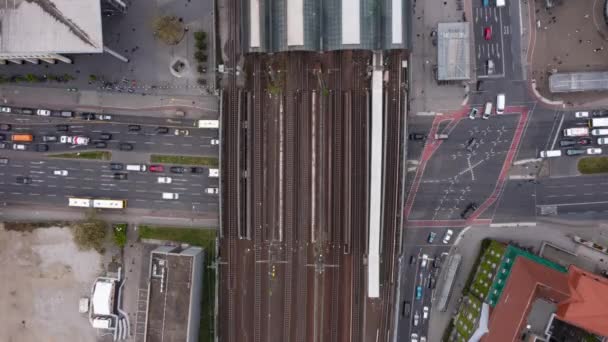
x: 93, y: 178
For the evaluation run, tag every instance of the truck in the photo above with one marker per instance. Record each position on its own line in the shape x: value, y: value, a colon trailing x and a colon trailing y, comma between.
x: 500, y: 3
x: 576, y: 132
x: 598, y: 122
x: 208, y: 124
x: 20, y: 137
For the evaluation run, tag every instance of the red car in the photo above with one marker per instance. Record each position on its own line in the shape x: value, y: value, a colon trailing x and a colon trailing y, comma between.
x: 584, y: 141
x: 487, y: 33
x: 157, y: 168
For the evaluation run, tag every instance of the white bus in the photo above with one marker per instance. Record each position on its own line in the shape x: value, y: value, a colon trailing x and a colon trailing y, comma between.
x: 598, y: 122
x: 96, y: 203
x: 109, y: 204
x: 79, y: 202
x: 208, y: 124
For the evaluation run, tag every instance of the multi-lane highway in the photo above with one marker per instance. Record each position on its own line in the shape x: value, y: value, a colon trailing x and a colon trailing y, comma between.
x: 95, y: 178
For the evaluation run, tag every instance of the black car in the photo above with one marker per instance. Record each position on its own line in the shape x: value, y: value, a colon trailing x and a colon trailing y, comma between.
x: 116, y: 166
x: 49, y: 138
x: 417, y: 136
x: 134, y: 128
x: 599, y: 113
x: 42, y: 147
x: 431, y: 283
x: 87, y: 116
x: 105, y: 136
x: 101, y: 144
x: 162, y: 130
x: 2, y: 136
x: 468, y: 210
x: 177, y: 169
x: 24, y: 180
x: 125, y: 147
x: 27, y: 111
x: 567, y: 142
x: 120, y: 176
x: 470, y: 144
x: 5, y: 127
x: 62, y: 128
x: 197, y: 169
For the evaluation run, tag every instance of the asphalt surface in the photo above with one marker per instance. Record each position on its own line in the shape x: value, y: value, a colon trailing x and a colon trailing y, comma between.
x: 93, y: 178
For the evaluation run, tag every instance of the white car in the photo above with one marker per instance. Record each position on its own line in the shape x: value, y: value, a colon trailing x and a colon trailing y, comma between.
x: 594, y: 150
x: 215, y: 141
x: 579, y: 115
x: 602, y: 141
x: 19, y: 147
x: 60, y: 172
x: 423, y: 339
x: 170, y: 195
x: 5, y: 109
x: 425, y: 260
x: 425, y: 312
x: 164, y: 180
x: 414, y: 337
x: 43, y: 112
x: 447, y: 236
x: 212, y: 191
x: 104, y: 117
x: 416, y: 319
x: 183, y: 132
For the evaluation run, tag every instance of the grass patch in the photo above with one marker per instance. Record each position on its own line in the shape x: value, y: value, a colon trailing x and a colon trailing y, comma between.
x: 101, y: 155
x: 185, y: 160
x: 120, y: 234
x: 590, y: 165
x: 202, y: 237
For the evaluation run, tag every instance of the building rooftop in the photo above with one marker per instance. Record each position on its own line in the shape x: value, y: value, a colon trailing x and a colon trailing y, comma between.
x: 453, y: 51
x: 175, y: 279
x: 587, y: 306
x: 527, y: 282
x: 50, y: 26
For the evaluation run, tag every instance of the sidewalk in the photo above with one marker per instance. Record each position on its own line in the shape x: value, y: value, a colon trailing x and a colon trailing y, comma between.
x: 195, y: 107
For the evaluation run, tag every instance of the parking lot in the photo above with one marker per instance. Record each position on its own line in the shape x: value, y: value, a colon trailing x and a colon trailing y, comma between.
x: 473, y: 154
x: 32, y: 176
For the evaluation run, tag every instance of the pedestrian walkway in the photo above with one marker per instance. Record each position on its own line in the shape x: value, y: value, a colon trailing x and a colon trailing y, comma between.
x: 193, y: 107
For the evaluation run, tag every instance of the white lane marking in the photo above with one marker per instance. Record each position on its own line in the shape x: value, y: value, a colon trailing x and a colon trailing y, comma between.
x: 34, y: 194
x: 558, y: 130
x: 150, y: 143
x: 139, y: 200
x: 140, y: 190
x: 51, y: 195
x: 88, y: 170
x: 17, y: 165
x: 168, y: 144
x: 70, y: 187
x: 15, y: 193
x: 51, y: 185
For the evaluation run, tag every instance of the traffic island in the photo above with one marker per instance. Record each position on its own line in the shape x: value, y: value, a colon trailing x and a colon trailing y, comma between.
x: 100, y: 155
x: 185, y: 160
x: 592, y: 165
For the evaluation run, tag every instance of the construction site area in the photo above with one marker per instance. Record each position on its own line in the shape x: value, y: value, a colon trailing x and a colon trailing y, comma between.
x: 311, y: 191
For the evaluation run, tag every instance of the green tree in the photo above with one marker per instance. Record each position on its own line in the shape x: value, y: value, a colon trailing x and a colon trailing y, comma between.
x: 92, y: 78
x: 168, y: 29
x: 90, y: 233
x: 200, y: 56
x: 201, y: 45
x: 120, y: 234
x: 200, y: 35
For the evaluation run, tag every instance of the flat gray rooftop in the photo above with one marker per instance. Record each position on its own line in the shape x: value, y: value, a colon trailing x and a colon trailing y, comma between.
x: 168, y: 309
x: 569, y: 82
x: 453, y: 52
x: 51, y: 26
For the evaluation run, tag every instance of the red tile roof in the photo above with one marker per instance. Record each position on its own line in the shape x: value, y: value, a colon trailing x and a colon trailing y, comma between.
x: 587, y: 307
x: 528, y: 280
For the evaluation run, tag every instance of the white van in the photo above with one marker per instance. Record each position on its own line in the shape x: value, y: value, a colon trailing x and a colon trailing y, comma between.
x: 550, y: 153
x: 487, y: 110
x: 490, y: 66
x: 170, y: 196
x: 136, y: 167
x: 599, y: 131
x: 214, y: 173
x: 500, y: 3
x: 500, y: 103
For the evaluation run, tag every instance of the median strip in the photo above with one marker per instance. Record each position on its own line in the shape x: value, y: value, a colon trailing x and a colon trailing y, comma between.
x: 101, y: 155
x: 591, y: 165
x: 185, y: 160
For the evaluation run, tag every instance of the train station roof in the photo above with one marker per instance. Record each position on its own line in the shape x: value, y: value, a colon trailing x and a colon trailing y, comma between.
x: 52, y: 26
x: 453, y: 52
